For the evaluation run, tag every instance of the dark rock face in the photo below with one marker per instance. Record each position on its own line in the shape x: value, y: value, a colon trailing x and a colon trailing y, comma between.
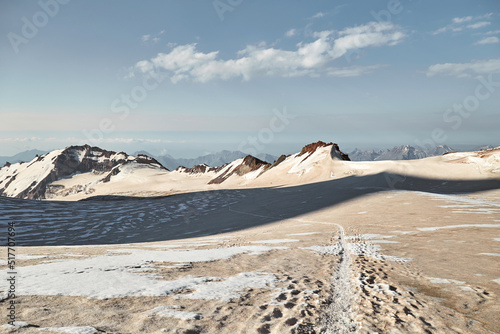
x: 200, y: 169
x: 82, y: 159
x: 279, y: 160
x: 144, y: 159
x: 249, y: 164
x: 10, y: 181
x: 37, y: 190
x: 114, y: 171
x: 197, y: 169
x: 334, y: 153
x: 311, y: 148
x: 74, y: 159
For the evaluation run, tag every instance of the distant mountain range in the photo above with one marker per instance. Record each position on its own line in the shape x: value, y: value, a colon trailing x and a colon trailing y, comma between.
x: 405, y: 152
x: 211, y: 160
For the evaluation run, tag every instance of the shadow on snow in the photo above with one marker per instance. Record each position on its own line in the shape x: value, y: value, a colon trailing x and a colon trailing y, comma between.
x: 115, y: 219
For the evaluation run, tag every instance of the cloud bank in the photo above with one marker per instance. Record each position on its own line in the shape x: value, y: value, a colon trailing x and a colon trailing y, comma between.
x: 464, y: 70
x: 461, y: 23
x: 186, y: 62
x: 488, y: 40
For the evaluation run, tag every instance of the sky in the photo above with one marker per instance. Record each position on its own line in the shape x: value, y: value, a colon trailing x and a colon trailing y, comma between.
x: 189, y: 77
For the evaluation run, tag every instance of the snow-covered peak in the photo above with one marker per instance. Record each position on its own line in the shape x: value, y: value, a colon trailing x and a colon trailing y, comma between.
x: 241, y: 167
x: 30, y: 180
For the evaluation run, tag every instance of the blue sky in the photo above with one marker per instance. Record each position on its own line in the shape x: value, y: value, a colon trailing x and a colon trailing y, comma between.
x: 193, y: 77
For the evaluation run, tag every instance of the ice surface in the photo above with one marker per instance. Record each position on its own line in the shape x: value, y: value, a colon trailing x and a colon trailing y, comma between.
x: 17, y: 325
x: 228, y: 289
x: 456, y: 226
x: 110, y: 276
x: 173, y: 312
x: 71, y: 330
x: 274, y: 241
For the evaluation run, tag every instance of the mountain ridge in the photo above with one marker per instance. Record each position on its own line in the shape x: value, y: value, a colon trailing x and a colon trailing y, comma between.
x: 68, y: 171
x: 24, y: 182
x: 79, y: 172
x: 212, y: 160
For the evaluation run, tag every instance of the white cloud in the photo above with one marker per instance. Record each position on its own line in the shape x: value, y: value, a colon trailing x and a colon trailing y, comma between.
x: 488, y: 40
x: 318, y: 15
x: 459, y: 23
x: 462, y: 19
x: 352, y: 71
x: 185, y: 62
x: 291, y: 33
x: 371, y: 34
x: 152, y: 38
x: 493, y: 32
x: 463, y: 70
x: 440, y: 30
x: 478, y: 25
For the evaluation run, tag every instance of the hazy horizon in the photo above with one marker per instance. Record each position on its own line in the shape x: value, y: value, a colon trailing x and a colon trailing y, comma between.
x: 346, y: 149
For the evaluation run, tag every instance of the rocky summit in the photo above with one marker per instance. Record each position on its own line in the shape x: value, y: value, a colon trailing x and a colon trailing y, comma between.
x: 31, y: 180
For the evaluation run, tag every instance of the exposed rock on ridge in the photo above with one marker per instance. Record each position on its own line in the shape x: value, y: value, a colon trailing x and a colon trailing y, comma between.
x: 249, y: 164
x: 200, y: 169
x: 311, y: 148
x: 70, y: 161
